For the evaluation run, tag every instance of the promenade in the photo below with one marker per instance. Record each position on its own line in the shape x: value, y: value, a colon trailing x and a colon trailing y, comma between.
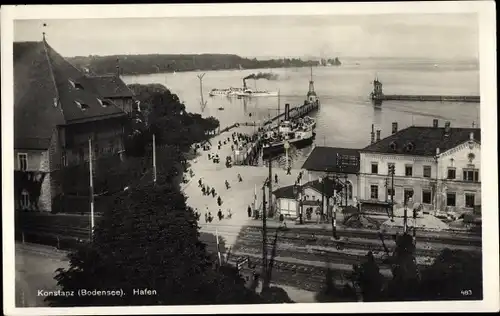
x: 238, y: 197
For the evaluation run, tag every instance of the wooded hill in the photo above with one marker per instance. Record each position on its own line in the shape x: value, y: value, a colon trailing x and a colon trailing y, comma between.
x: 156, y: 63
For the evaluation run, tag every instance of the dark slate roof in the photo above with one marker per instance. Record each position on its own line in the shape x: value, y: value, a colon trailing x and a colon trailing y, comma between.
x: 109, y: 86
x: 423, y: 140
x: 287, y: 192
x: 333, y: 159
x: 35, y: 115
x: 318, y: 186
x: 41, y: 80
x: 284, y: 192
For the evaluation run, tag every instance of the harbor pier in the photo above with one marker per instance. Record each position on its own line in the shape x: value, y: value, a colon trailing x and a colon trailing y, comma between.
x: 378, y: 96
x: 250, y: 156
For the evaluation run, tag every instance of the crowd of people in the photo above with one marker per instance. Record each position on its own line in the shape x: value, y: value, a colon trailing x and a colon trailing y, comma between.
x: 236, y: 141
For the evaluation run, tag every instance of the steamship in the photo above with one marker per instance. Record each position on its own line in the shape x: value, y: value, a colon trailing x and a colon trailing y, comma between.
x: 298, y: 135
x: 242, y: 92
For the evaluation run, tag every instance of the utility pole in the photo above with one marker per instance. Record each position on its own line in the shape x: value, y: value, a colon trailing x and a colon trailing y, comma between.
x: 154, y: 159
x: 392, y: 171
x: 405, y: 218
x: 264, y: 231
x: 202, y: 102
x: 345, y: 187
x: 91, y: 184
x: 270, y: 187
x: 334, y: 217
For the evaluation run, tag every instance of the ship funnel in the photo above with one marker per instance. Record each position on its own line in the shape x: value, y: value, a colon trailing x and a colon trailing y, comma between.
x: 287, y: 111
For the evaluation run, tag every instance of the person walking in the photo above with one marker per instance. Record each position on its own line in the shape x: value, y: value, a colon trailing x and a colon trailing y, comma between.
x: 240, y: 179
x: 288, y: 170
x: 200, y: 182
x: 227, y: 185
x: 213, y: 192
x: 276, y: 178
x: 219, y: 215
x: 229, y: 214
x: 210, y: 217
x: 249, y: 211
x: 219, y: 201
x: 206, y: 217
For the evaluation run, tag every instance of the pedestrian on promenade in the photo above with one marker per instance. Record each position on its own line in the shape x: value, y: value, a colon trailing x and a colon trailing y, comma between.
x: 210, y: 217
x: 206, y: 217
x: 213, y: 192
x: 240, y: 179
x: 275, y: 178
x: 200, y: 182
x: 207, y: 190
x: 203, y: 190
x: 219, y: 201
x: 209, y: 156
x: 228, y: 186
x: 288, y: 170
x: 249, y: 211
x: 229, y: 214
x: 219, y: 215
x: 232, y: 147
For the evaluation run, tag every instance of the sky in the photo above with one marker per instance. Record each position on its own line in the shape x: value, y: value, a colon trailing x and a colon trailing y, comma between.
x: 449, y: 36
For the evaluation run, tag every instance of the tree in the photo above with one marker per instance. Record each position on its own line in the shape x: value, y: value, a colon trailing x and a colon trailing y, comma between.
x: 406, y: 278
x: 331, y: 293
x: 455, y: 274
x: 368, y: 278
x: 149, y: 240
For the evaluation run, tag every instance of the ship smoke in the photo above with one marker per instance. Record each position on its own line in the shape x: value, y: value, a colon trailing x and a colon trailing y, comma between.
x: 262, y: 75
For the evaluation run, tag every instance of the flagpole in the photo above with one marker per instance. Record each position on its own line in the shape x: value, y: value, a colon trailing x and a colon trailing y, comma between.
x: 91, y: 183
x: 154, y: 159
x: 218, y: 250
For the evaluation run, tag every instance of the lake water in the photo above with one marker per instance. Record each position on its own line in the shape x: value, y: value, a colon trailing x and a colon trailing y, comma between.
x: 346, y: 113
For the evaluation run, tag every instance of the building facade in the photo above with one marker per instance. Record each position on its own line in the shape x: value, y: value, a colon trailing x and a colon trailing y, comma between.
x: 57, y: 109
x: 439, y: 168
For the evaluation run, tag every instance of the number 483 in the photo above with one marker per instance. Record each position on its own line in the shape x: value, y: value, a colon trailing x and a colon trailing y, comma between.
x: 466, y: 292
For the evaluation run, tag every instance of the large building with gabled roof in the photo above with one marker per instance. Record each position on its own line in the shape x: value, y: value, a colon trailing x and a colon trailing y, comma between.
x: 438, y: 167
x: 57, y: 109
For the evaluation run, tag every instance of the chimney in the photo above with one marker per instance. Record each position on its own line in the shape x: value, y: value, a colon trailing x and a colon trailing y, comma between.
x: 372, y: 140
x: 394, y: 127
x: 435, y: 123
x: 118, y: 66
x: 378, y: 135
x: 446, y: 128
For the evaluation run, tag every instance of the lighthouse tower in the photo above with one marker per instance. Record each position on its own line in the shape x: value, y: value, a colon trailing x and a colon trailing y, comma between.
x: 311, y: 94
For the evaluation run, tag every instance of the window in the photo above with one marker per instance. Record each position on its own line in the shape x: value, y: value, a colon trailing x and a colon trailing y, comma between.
x: 104, y: 103
x: 408, y: 170
x: 82, y: 105
x: 427, y: 171
x: 408, y: 193
x: 452, y: 174
x: 374, y: 192
x: 374, y: 167
x: 426, y: 197
x: 390, y: 193
x: 25, y: 200
x: 471, y: 175
x: 75, y: 85
x: 63, y: 159
x: 389, y: 166
x: 470, y: 200
x: 22, y: 161
x: 451, y: 199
